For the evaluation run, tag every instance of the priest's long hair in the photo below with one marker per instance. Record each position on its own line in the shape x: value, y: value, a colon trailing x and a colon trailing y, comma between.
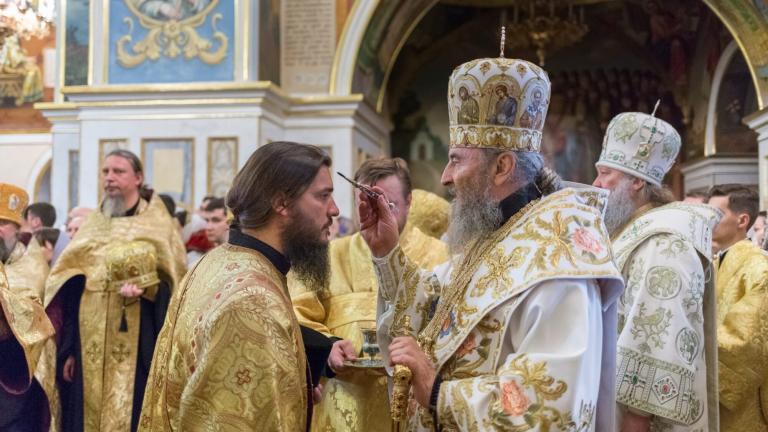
x: 278, y: 171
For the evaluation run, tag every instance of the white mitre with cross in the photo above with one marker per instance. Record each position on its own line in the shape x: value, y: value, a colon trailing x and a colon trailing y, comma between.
x: 641, y: 145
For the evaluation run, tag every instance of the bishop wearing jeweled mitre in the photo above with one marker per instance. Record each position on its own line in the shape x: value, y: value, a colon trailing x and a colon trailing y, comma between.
x: 518, y: 331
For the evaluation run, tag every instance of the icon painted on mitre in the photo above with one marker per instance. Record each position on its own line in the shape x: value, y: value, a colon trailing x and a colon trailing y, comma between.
x: 506, y: 107
x: 469, y: 112
x: 533, y: 117
x: 643, y: 151
x: 13, y: 202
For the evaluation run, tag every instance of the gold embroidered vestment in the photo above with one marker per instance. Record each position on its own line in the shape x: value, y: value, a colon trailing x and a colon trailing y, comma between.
x: 23, y: 316
x: 742, y: 338
x: 230, y: 356
x: 108, y: 354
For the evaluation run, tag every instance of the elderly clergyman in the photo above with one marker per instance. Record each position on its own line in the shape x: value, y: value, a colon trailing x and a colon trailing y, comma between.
x: 518, y: 331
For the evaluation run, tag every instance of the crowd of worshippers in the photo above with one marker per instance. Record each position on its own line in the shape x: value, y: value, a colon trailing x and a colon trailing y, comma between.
x: 523, y: 303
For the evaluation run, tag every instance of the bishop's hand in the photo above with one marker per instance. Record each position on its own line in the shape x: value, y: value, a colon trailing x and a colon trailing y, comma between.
x: 378, y: 225
x: 405, y: 351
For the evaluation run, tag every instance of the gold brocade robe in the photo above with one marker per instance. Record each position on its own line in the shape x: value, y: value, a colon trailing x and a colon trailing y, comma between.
x: 23, y: 316
x: 230, y: 356
x: 108, y: 355
x: 742, y: 338
x: 355, y: 400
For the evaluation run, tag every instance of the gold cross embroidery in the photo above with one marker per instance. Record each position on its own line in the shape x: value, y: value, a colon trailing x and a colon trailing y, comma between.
x: 92, y: 352
x: 120, y: 352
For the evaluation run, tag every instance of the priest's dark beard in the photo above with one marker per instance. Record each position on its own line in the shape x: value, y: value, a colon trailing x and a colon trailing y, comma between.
x: 114, y: 206
x: 473, y: 215
x: 307, y: 252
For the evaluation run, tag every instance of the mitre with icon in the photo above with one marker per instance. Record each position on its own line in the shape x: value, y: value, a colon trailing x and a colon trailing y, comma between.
x: 13, y: 201
x: 498, y: 103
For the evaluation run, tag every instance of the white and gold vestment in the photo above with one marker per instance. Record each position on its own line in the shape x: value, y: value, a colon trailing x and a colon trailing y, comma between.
x: 664, y: 349
x: 518, y: 324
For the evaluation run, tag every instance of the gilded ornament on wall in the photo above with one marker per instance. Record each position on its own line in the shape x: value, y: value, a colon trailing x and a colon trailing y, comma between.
x: 172, y: 31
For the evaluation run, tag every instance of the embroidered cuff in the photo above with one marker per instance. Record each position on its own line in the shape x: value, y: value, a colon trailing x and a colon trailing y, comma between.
x: 657, y: 387
x: 387, y: 272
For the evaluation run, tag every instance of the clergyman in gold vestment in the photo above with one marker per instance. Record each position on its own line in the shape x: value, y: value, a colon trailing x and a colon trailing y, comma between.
x: 742, y: 312
x: 231, y: 355
x: 356, y: 400
x: 110, y: 321
x: 24, y: 327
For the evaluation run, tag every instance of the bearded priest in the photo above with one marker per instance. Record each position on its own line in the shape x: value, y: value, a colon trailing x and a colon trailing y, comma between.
x: 107, y: 296
x: 231, y: 355
x: 667, y: 354
x: 517, y: 331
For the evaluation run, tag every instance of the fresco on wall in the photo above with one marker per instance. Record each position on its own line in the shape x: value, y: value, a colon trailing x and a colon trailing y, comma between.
x: 170, y: 41
x: 735, y: 100
x: 77, y: 39
x: 27, y: 75
x: 381, y: 40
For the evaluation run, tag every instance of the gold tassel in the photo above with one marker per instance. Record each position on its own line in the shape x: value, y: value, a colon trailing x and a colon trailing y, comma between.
x: 123, y: 322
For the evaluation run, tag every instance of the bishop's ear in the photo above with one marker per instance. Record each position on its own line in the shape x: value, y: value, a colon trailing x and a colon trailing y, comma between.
x: 505, y: 168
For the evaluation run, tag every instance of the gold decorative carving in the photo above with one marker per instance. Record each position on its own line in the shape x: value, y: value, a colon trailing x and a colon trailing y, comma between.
x: 401, y: 387
x: 171, y: 38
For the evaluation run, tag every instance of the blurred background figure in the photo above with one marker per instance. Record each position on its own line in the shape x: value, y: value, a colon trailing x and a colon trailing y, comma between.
x: 216, y: 224
x: 695, y: 197
x: 47, y: 239
x: 37, y: 216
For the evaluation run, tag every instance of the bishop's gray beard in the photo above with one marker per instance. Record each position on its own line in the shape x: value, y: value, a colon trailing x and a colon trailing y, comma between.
x: 114, y: 206
x: 308, y: 253
x: 473, y: 215
x: 620, y: 206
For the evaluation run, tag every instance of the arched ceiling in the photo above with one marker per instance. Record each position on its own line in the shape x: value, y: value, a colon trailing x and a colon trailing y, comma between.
x: 393, y: 21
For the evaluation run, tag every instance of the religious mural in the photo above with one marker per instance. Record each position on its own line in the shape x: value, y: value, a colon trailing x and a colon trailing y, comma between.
x: 380, y: 43
x: 165, y: 41
x: 77, y: 40
x: 735, y: 100
x: 27, y: 75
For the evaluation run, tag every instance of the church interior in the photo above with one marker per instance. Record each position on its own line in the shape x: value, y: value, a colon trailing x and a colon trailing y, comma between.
x: 362, y: 78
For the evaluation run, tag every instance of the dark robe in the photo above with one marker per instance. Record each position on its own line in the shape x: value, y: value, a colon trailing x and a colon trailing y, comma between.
x: 71, y: 393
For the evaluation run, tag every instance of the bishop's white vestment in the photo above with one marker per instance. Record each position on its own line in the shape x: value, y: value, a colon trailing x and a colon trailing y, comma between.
x: 522, y: 327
